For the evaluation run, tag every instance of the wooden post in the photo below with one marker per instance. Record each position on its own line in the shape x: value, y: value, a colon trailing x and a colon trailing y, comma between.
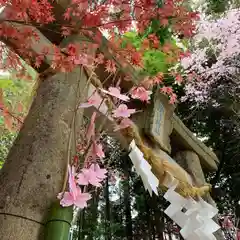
x: 33, y: 173
x: 189, y: 160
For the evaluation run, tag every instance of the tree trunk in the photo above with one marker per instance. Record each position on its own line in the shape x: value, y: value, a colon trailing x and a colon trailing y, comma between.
x: 33, y: 172
x: 148, y: 218
x: 107, y: 212
x: 93, y: 215
x: 127, y: 200
x: 158, y: 218
x: 81, y: 225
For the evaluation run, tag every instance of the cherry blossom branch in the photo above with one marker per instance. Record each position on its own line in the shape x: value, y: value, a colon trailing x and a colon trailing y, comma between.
x: 71, y: 129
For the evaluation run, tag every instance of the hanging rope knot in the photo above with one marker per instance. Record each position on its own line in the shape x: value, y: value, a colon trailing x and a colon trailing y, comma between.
x: 161, y: 167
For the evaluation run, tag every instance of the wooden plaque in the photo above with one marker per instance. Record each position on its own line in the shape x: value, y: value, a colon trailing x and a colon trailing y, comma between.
x: 159, y: 123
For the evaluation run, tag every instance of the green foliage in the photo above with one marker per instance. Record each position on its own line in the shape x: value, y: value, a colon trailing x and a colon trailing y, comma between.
x: 155, y: 62
x: 6, y: 141
x: 17, y: 98
x: 216, y: 8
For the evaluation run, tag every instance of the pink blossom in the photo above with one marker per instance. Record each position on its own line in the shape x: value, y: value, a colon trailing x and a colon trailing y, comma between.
x: 88, y: 177
x: 100, y: 172
x: 125, y: 123
x: 166, y: 90
x: 78, y: 199
x: 140, y: 93
x: 94, y: 100
x: 93, y: 175
x: 173, y: 98
x: 123, y: 111
x: 74, y: 196
x: 158, y: 78
x: 115, y: 92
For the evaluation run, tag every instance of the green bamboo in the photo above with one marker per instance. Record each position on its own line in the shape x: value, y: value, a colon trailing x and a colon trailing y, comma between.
x: 59, y: 222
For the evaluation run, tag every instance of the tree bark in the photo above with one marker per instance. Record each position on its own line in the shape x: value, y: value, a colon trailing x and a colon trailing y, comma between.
x: 127, y: 200
x: 93, y: 215
x: 148, y: 218
x: 158, y: 218
x: 33, y: 172
x: 107, y: 212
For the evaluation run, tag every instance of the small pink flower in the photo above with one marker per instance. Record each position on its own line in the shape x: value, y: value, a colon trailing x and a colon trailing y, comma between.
x: 173, y: 99
x: 88, y: 176
x: 100, y: 172
x: 94, y: 100
x: 141, y: 93
x: 115, y: 92
x: 125, y: 123
x: 93, y: 175
x: 166, y: 90
x: 74, y: 196
x: 123, y: 111
x: 79, y: 199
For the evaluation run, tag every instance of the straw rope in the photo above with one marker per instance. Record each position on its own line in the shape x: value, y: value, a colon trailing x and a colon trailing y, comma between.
x: 162, y: 167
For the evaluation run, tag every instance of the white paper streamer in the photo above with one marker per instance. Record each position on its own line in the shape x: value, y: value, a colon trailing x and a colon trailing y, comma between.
x: 195, y: 218
x: 143, y: 169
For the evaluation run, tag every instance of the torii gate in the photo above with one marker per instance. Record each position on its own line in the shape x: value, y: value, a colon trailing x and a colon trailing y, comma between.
x: 168, y: 135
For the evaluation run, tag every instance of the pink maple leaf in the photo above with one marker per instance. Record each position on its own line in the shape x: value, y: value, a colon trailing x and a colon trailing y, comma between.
x: 100, y: 172
x: 115, y: 92
x: 140, y: 93
x: 79, y: 199
x: 93, y: 175
x: 173, y: 98
x: 166, y: 90
x: 74, y: 196
x: 164, y: 22
x: 94, y: 100
x: 125, y: 123
x: 123, y: 111
x: 88, y: 176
